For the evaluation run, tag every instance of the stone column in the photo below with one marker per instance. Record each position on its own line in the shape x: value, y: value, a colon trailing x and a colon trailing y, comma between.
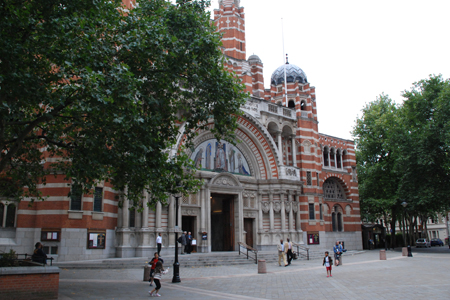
x: 329, y: 161
x: 239, y: 221
x: 125, y: 213
x: 144, y: 223
x: 202, y: 209
x: 283, y: 213
x: 271, y: 217
x: 260, y: 213
x: 294, y: 152
x: 138, y: 219
x: 158, y: 216
x: 291, y: 211
x: 5, y: 210
x: 280, y: 147
x: 298, y: 225
x: 342, y: 161
x: 335, y: 161
x: 171, y: 216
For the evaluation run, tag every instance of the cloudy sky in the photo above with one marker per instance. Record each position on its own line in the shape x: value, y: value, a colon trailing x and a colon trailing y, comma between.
x: 351, y: 51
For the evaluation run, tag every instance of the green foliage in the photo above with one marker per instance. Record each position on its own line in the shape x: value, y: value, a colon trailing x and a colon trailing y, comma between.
x: 376, y: 136
x: 112, y: 89
x: 8, y: 259
x: 403, y: 152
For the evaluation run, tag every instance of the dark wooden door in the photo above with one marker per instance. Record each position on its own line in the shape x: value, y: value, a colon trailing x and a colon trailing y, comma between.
x: 248, y: 227
x: 222, y: 223
x: 228, y: 234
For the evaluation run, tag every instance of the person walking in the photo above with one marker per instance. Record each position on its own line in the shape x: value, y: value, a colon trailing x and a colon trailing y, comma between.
x: 159, y: 271
x: 159, y: 243
x: 281, y: 254
x: 286, y: 249
x: 182, y: 241
x: 289, y: 253
x: 153, y: 263
x: 189, y: 243
x: 337, y: 253
x: 328, y: 262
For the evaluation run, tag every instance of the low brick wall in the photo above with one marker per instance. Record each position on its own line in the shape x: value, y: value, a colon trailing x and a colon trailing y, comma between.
x: 30, y: 283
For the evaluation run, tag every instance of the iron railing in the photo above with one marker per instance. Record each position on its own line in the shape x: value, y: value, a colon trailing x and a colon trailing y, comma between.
x: 25, y: 257
x: 304, y: 253
x: 250, y: 251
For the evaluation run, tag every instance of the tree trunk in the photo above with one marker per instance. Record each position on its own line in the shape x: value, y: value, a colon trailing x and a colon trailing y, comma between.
x: 393, y: 220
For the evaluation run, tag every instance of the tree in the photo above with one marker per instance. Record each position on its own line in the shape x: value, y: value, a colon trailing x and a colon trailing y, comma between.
x: 377, y: 135
x: 424, y: 164
x: 403, y: 154
x: 107, y: 91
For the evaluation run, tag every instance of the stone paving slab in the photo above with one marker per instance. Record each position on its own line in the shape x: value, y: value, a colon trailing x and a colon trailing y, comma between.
x: 362, y: 276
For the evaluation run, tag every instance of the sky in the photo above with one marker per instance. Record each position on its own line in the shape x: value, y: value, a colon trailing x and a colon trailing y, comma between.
x: 351, y: 51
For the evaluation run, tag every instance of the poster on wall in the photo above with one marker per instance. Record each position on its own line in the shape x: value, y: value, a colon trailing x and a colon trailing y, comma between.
x: 96, y: 240
x: 313, y: 238
x: 220, y: 156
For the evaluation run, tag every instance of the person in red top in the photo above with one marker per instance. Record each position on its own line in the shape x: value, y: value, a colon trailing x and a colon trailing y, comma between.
x: 153, y: 262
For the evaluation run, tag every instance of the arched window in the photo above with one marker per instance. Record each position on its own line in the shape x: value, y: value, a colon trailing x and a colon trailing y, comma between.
x: 336, y: 219
x: 339, y: 221
x: 333, y: 221
x: 10, y: 215
x: 333, y: 190
x: 332, y: 155
x: 291, y: 104
x: 303, y: 105
x: 338, y: 159
x: 325, y: 157
x: 132, y: 220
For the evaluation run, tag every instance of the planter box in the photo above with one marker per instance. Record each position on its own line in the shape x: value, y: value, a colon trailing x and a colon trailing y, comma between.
x: 30, y: 283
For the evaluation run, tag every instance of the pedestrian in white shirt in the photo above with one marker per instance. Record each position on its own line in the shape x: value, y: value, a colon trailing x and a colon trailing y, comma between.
x: 159, y: 242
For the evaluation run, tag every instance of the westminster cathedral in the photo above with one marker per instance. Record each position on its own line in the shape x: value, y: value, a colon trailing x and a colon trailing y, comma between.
x: 281, y: 179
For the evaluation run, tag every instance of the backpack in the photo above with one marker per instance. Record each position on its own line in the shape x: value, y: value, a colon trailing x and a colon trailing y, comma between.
x: 179, y: 240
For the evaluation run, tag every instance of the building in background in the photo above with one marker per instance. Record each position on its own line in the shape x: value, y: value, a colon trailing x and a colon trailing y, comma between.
x: 281, y: 179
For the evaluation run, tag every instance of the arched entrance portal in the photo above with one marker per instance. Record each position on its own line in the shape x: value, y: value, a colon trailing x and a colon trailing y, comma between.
x: 222, y: 222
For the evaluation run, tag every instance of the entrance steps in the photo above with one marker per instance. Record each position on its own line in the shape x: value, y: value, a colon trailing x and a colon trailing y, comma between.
x: 186, y: 261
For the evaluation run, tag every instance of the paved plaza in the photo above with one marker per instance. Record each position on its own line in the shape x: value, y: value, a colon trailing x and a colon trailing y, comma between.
x: 362, y: 276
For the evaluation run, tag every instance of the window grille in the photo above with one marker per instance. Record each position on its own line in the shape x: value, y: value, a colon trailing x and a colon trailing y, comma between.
x: 75, y: 197
x: 308, y: 178
x: 332, y: 190
x: 98, y: 196
x: 311, y: 211
x: 273, y: 108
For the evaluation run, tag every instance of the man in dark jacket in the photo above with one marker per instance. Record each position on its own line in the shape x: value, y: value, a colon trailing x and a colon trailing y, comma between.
x: 183, y: 241
x: 39, y: 254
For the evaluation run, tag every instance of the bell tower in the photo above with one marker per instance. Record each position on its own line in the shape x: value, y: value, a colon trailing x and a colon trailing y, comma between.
x: 230, y: 21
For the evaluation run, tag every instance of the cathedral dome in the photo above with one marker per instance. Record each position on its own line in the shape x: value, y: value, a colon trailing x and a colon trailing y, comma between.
x: 254, y: 58
x: 293, y: 74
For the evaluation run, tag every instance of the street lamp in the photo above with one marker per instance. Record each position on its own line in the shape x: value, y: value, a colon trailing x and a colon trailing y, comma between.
x: 176, y: 264
x: 404, y: 204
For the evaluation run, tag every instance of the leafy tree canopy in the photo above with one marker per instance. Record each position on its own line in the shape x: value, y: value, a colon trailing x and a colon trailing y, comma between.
x: 403, y: 151
x: 110, y: 88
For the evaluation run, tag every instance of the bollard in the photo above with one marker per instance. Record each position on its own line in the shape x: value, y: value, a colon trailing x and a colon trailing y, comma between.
x: 382, y: 254
x: 404, y: 251
x: 147, y: 272
x: 262, y: 266
x: 409, y: 251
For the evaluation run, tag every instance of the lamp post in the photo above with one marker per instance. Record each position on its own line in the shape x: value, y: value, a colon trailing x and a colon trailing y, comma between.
x: 404, y: 204
x: 176, y: 264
